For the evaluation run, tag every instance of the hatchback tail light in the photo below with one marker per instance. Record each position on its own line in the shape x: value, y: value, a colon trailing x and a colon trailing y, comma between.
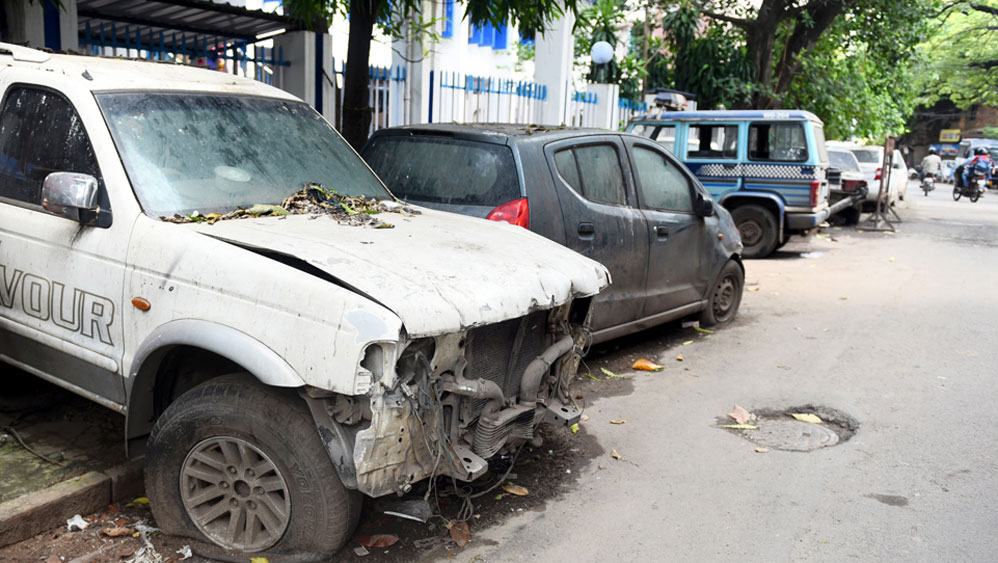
x: 879, y: 170
x: 815, y: 192
x: 516, y: 212
x: 852, y: 185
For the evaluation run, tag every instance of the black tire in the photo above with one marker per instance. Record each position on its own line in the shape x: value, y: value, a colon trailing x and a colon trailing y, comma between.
x: 975, y: 197
x: 851, y: 215
x: 224, y: 429
x: 758, y: 229
x: 725, y: 295
x: 956, y: 194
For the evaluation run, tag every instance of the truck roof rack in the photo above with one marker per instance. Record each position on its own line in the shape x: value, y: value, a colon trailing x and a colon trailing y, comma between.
x: 25, y: 54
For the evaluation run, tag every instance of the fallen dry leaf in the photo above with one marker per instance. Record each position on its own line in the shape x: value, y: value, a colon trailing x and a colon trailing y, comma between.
x: 740, y: 426
x: 377, y: 540
x: 574, y: 428
x: 762, y: 450
x: 806, y: 417
x: 680, y: 357
x: 752, y: 289
x: 117, y: 532
x: 514, y: 489
x: 646, y: 365
x: 740, y: 415
x: 615, y: 455
x: 618, y: 421
x: 584, y: 418
x: 687, y: 343
x: 460, y: 533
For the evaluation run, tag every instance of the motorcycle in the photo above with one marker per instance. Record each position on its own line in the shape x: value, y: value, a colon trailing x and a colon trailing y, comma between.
x: 974, y: 188
x: 928, y: 184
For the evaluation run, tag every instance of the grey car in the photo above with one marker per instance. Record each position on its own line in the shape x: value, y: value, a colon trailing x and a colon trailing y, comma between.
x: 617, y: 198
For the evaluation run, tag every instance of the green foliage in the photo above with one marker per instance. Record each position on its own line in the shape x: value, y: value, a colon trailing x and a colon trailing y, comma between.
x: 710, y: 61
x: 860, y: 78
x: 961, y: 56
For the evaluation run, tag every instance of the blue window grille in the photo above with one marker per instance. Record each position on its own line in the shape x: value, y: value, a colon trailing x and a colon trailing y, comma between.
x: 449, y: 16
x: 499, y: 38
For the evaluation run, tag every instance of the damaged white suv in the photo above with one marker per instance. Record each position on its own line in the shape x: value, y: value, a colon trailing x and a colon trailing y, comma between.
x: 205, y: 255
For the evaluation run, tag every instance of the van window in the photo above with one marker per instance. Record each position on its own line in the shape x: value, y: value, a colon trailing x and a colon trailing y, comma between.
x: 593, y: 171
x: 779, y: 142
x: 708, y: 140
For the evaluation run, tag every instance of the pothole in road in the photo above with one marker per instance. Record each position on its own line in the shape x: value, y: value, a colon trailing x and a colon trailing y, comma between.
x: 778, y: 430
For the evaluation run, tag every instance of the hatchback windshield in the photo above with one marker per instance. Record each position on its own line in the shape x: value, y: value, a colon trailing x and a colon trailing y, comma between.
x: 443, y: 170
x: 844, y: 161
x: 215, y: 153
x: 867, y: 156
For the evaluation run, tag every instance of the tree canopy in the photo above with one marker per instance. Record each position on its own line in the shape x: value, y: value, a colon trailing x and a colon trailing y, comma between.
x: 961, y: 56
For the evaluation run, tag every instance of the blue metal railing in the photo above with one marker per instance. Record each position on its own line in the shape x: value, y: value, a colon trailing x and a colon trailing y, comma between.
x: 173, y: 47
x: 633, y: 105
x: 395, y: 74
x: 493, y: 85
x: 585, y: 97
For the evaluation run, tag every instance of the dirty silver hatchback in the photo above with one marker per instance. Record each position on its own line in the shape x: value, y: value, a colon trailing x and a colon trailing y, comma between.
x: 617, y: 198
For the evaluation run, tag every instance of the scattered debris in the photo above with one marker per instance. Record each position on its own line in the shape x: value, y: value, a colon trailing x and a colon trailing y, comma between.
x: 680, y: 357
x: 891, y: 259
x: 688, y: 324
x: 740, y: 426
x: 584, y: 418
x: 615, y: 455
x: 139, y: 501
x: 740, y: 415
x: 377, y: 540
x: 574, y: 428
x: 591, y: 376
x: 618, y: 421
x: 752, y: 289
x: 185, y: 552
x: 762, y: 450
x: 608, y: 373
x: 647, y: 365
x: 459, y: 532
x: 361, y: 551
x: 514, y: 489
x: 806, y: 417
x: 703, y: 330
x: 17, y: 437
x: 313, y: 199
x: 812, y: 255
x: 687, y: 343
x: 76, y: 522
x: 117, y: 532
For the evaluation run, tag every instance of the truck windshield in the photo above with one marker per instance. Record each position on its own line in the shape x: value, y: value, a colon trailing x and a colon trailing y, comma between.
x: 187, y: 152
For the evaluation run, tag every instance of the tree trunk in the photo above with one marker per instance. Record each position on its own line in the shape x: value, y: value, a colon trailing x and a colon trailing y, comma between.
x: 356, y: 111
x: 760, y: 39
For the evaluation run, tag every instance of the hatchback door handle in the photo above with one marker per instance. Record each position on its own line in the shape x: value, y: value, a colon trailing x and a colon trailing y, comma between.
x: 662, y: 232
x: 587, y: 229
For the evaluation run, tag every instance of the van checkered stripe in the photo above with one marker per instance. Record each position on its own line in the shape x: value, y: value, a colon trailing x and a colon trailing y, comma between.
x: 785, y: 172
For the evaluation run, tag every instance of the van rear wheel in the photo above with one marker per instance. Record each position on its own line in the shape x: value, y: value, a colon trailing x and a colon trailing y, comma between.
x: 758, y: 230
x: 238, y: 464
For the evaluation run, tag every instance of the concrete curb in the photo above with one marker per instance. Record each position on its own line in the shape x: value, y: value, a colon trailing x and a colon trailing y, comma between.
x: 40, y: 511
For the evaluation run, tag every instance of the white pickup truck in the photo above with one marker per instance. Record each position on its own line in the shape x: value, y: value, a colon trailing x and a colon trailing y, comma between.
x: 205, y: 255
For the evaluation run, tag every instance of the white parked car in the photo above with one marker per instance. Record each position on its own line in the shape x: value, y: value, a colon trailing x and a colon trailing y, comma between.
x: 206, y: 255
x: 871, y: 159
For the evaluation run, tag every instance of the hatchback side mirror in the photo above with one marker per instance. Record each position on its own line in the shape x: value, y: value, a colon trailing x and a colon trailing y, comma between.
x: 704, y: 206
x: 70, y: 195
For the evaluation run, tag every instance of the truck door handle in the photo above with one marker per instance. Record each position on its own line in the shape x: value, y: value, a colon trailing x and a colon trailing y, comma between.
x: 662, y: 232
x: 587, y: 229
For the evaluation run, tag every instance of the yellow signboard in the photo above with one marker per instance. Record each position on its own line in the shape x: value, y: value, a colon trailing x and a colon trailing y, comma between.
x: 949, y: 136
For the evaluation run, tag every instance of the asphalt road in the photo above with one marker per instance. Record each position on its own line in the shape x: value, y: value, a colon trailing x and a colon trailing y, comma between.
x: 898, y: 331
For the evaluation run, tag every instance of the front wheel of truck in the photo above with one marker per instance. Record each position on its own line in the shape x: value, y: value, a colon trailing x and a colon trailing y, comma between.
x: 758, y: 229
x: 241, y: 465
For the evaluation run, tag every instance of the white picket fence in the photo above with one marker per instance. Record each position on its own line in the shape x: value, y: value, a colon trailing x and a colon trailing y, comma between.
x: 463, y: 98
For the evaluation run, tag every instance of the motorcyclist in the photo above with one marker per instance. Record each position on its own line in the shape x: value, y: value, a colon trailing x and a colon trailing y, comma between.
x: 981, y: 163
x: 931, y: 164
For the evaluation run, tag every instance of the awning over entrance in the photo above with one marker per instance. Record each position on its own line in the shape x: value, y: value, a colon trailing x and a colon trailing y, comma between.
x: 171, y: 24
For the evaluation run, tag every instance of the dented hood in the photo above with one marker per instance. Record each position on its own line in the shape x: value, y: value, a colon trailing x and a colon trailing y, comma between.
x: 437, y: 271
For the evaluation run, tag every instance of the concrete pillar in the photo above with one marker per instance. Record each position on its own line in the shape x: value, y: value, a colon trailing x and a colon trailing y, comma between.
x: 303, y: 77
x: 69, y: 32
x: 553, y: 55
x: 27, y: 23
x: 416, y: 93
x: 607, y: 107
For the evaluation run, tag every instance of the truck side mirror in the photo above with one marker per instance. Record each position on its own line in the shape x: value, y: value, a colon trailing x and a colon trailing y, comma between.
x: 70, y: 195
x: 704, y: 206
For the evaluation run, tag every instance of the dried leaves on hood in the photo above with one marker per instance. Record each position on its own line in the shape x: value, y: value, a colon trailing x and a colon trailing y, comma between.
x: 313, y: 199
